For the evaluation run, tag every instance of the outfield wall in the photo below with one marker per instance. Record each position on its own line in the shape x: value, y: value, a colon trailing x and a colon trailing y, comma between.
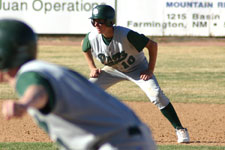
x: 153, y: 18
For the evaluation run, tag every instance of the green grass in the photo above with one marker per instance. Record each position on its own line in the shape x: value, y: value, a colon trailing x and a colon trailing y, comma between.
x: 192, y: 73
x: 51, y: 146
x: 187, y: 74
x: 28, y: 146
x: 187, y: 147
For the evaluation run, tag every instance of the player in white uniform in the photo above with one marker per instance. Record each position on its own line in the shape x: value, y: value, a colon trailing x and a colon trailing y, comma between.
x: 121, y: 51
x: 75, y: 113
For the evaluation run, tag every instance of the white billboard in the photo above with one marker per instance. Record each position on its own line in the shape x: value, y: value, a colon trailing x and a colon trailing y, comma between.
x: 52, y: 16
x: 151, y: 17
x: 173, y: 17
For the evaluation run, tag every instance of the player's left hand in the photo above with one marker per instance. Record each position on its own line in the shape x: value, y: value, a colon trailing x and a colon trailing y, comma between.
x: 12, y: 109
x: 146, y: 75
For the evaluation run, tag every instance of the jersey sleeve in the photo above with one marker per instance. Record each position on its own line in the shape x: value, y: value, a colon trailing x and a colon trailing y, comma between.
x: 33, y: 78
x: 139, y: 41
x: 86, y: 46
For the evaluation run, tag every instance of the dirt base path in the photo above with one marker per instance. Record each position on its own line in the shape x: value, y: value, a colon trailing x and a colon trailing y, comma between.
x: 205, y: 123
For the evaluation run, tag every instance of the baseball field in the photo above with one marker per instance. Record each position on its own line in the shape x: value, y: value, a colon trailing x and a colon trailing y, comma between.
x: 191, y: 72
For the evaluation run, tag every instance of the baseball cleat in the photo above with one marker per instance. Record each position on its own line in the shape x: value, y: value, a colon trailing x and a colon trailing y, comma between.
x: 182, y: 136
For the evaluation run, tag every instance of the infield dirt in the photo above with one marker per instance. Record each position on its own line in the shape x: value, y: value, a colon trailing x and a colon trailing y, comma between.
x: 205, y: 123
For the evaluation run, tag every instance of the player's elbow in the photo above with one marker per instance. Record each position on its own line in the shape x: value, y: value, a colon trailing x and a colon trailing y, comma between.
x: 81, y: 42
x: 152, y: 45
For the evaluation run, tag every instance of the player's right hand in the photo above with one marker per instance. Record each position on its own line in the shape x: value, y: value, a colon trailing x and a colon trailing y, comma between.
x: 12, y: 109
x: 95, y: 72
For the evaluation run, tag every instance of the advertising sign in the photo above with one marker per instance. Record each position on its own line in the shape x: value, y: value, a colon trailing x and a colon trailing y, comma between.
x: 174, y: 17
x: 153, y: 18
x: 52, y: 16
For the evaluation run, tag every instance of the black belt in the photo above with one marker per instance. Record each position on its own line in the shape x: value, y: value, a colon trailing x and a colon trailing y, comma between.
x: 132, y: 131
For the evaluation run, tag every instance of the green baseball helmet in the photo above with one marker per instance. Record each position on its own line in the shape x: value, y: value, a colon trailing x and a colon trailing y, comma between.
x: 105, y: 12
x: 18, y: 44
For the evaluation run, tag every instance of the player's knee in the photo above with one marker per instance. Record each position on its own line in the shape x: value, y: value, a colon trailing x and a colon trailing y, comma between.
x: 160, y: 103
x: 160, y: 100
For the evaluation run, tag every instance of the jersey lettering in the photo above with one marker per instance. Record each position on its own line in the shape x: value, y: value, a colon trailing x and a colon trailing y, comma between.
x: 131, y: 60
x: 109, y: 60
x: 125, y: 66
x: 102, y: 58
x: 116, y: 58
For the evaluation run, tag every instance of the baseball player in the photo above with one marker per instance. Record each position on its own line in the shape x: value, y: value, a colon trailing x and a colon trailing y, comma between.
x: 121, y: 51
x: 75, y: 113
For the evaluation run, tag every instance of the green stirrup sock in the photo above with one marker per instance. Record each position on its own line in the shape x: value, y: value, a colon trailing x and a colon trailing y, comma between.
x: 171, y: 115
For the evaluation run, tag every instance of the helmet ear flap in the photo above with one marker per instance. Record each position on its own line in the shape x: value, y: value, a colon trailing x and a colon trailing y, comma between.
x: 110, y: 22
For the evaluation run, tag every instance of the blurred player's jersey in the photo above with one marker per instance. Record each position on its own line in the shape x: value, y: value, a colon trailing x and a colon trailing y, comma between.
x: 82, y: 110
